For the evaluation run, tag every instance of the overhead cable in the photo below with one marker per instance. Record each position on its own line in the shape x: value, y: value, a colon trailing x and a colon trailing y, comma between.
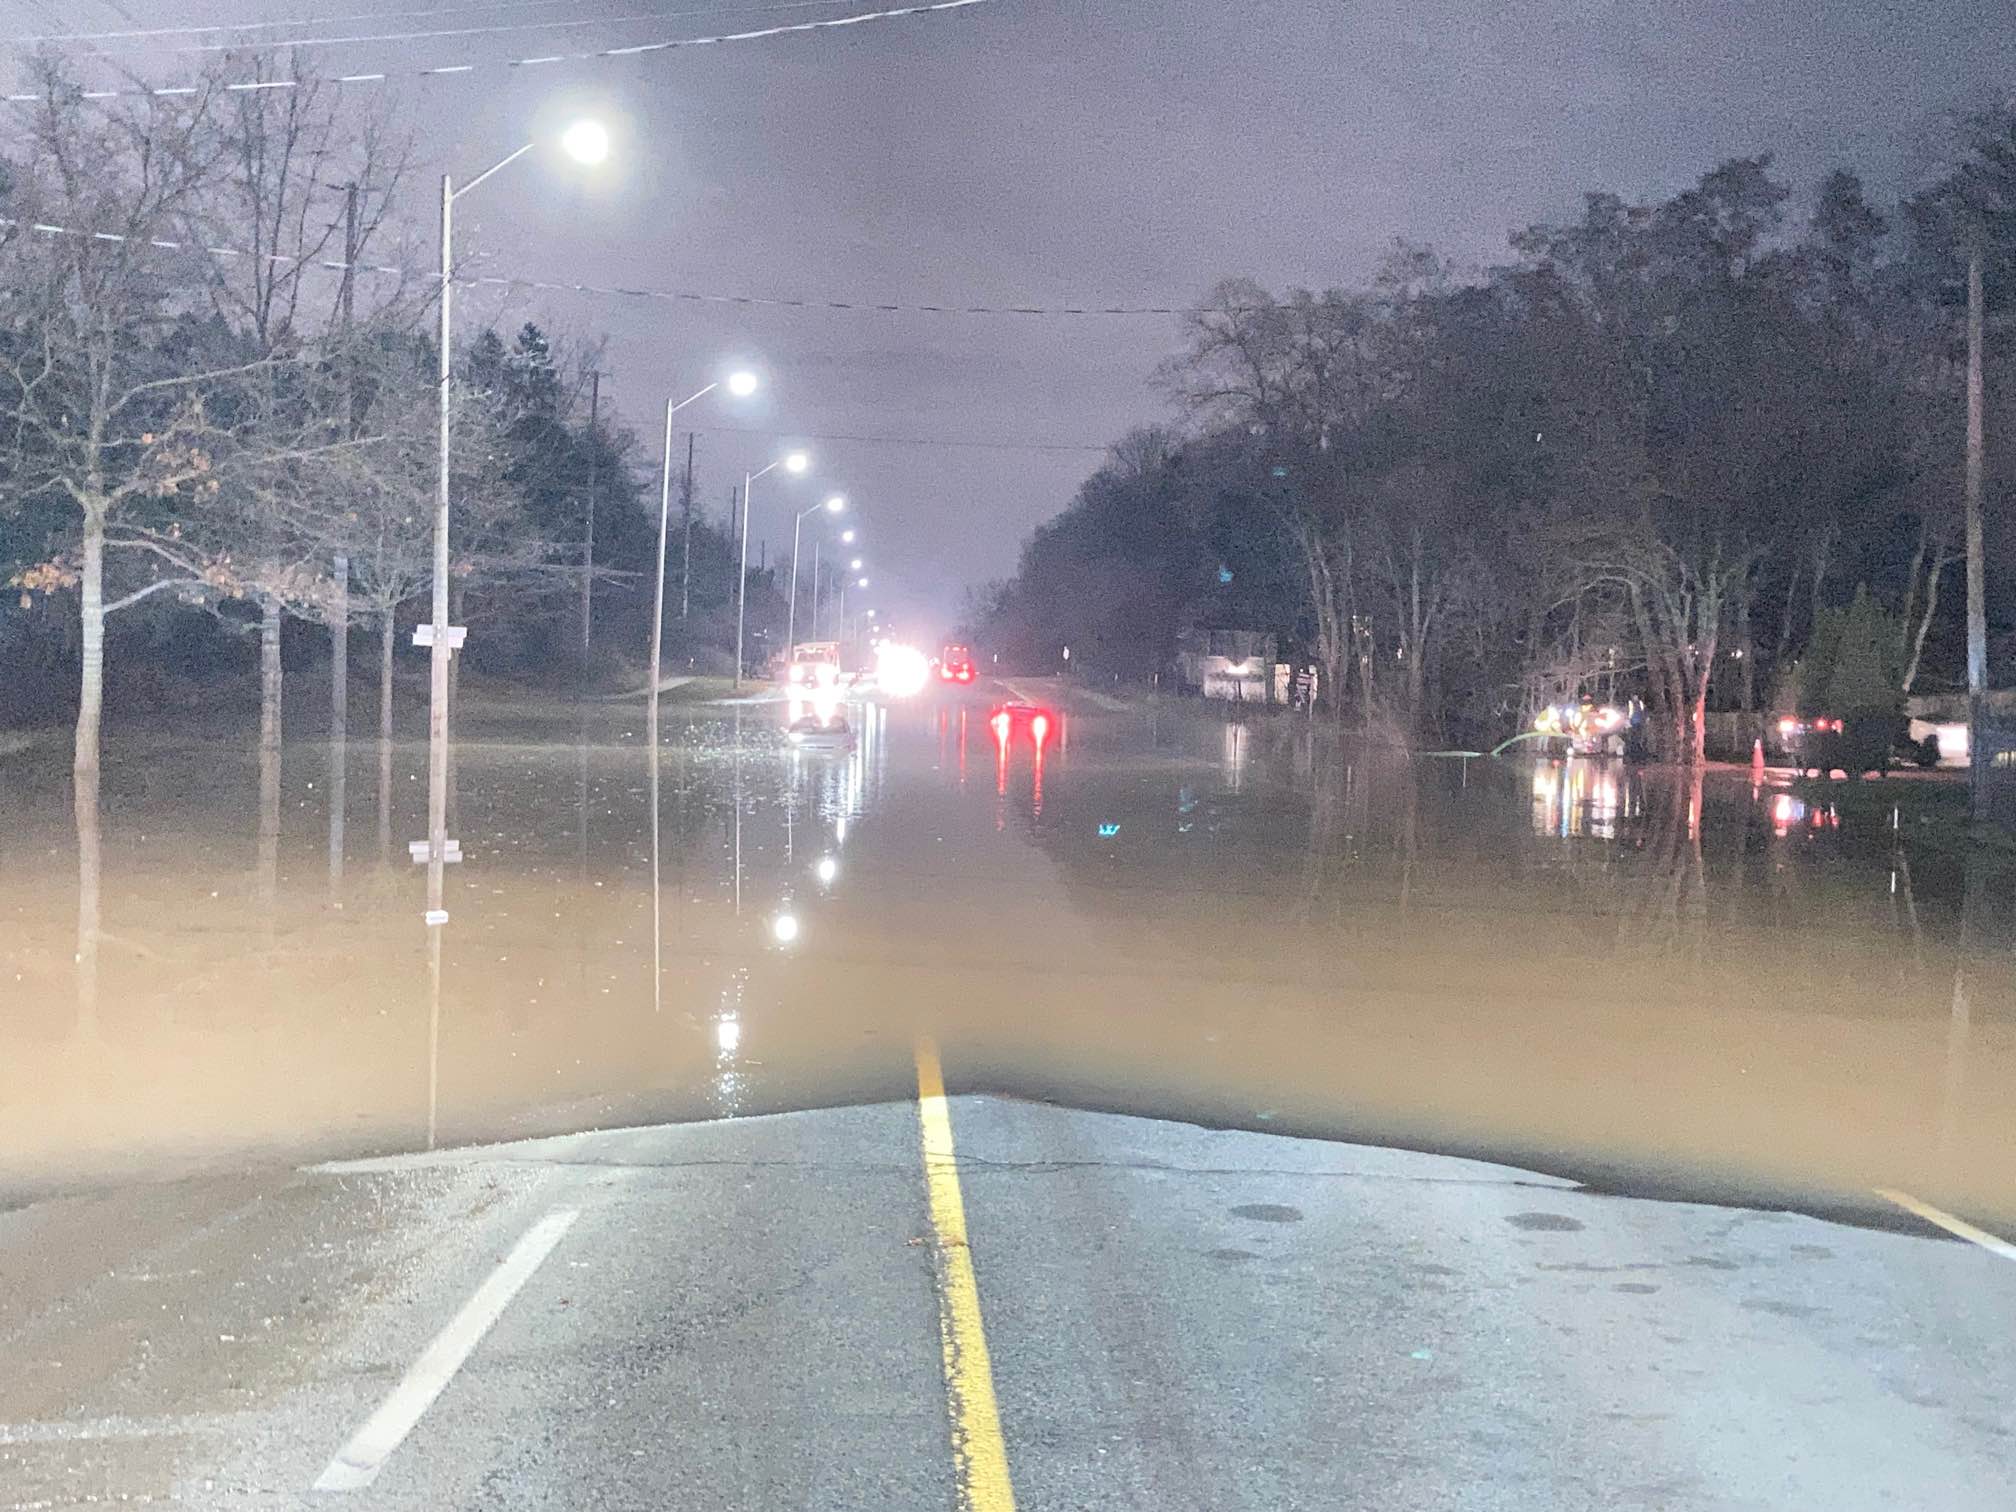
x: 502, y: 28
x: 615, y: 291
x: 455, y: 70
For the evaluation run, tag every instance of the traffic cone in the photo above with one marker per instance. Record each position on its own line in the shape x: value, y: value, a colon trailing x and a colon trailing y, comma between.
x: 1757, y: 754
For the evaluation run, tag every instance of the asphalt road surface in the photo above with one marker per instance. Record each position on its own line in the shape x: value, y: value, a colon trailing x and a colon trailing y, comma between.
x: 754, y: 1314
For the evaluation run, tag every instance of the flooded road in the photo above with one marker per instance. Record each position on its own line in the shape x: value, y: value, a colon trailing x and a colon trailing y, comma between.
x: 1717, y: 990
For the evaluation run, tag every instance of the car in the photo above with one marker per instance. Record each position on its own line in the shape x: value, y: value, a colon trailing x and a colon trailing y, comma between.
x: 955, y: 664
x: 1034, y: 720
x: 1867, y: 740
x: 814, y: 664
x: 814, y: 733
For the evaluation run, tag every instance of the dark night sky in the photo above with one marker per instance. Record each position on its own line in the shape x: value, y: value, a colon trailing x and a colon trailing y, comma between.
x: 1065, y: 151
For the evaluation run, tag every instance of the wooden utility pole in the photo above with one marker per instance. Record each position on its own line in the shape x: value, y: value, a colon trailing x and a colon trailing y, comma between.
x: 686, y: 555
x: 588, y: 535
x: 1978, y: 754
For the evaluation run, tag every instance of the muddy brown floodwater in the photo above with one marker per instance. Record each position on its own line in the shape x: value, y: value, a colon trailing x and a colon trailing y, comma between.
x: 1708, y: 989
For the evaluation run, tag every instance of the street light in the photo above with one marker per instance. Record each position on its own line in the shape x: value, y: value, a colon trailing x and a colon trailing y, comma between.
x: 740, y: 383
x: 833, y: 505
x: 585, y: 142
x: 791, y: 462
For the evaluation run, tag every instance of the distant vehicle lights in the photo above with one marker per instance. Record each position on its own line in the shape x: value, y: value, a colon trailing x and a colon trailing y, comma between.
x: 955, y: 664
x: 1038, y: 721
x: 901, y: 671
x: 1591, y: 729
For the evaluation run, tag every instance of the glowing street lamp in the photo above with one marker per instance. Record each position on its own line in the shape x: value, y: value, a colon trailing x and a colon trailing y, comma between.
x: 587, y: 142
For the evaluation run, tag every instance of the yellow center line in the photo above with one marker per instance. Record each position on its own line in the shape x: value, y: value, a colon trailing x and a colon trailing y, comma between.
x: 979, y: 1456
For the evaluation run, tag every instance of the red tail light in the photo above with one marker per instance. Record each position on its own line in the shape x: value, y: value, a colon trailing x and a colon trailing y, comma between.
x: 1040, y: 728
x: 1000, y: 723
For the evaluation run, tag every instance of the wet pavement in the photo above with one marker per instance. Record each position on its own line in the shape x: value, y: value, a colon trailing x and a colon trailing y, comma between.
x: 751, y: 1313
x: 1610, y: 1071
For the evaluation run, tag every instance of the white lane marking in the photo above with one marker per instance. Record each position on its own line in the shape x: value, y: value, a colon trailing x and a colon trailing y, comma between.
x: 1960, y: 1228
x: 358, y: 1462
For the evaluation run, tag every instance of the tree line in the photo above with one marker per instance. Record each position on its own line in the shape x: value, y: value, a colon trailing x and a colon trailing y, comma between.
x: 1683, y: 450
x: 214, y: 426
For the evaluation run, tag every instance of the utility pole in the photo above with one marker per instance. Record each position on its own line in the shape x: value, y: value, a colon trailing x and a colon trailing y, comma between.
x: 588, y: 535
x: 686, y: 556
x: 815, y: 588
x: 1977, y: 611
x: 349, y: 293
x: 339, y: 616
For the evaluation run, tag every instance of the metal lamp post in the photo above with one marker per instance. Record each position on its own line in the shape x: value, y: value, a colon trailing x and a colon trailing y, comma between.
x: 585, y: 142
x: 741, y: 385
x: 833, y: 505
x: 795, y: 462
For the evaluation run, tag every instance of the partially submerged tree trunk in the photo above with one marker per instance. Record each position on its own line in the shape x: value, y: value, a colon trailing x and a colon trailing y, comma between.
x: 339, y: 649
x: 1746, y: 649
x: 1784, y: 651
x: 387, y: 633
x: 269, y: 674
x: 269, y: 759
x: 91, y: 678
x: 89, y: 887
x: 1941, y: 560
x: 387, y: 628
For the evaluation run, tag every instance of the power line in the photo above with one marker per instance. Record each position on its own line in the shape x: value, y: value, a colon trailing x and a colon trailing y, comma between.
x: 617, y: 291
x: 240, y: 26
x: 500, y: 29
x: 941, y: 441
x: 633, y: 50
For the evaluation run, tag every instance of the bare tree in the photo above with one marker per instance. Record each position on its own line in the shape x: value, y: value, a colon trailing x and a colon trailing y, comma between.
x: 307, y: 180
x: 373, y: 502
x: 103, y: 412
